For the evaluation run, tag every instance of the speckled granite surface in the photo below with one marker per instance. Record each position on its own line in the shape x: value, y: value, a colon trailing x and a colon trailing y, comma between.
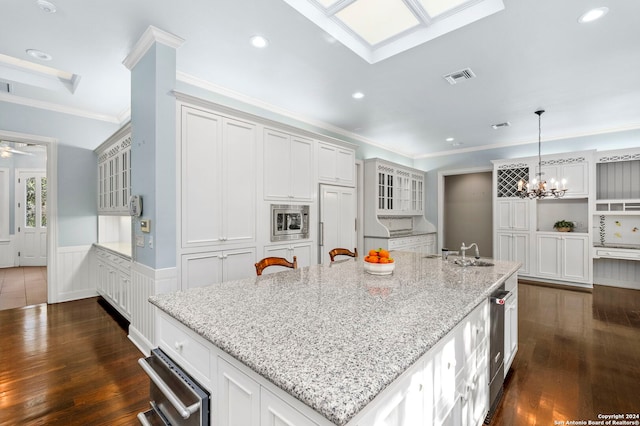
x: 335, y: 336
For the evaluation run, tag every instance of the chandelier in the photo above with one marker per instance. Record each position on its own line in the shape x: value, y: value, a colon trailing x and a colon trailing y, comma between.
x: 539, y: 188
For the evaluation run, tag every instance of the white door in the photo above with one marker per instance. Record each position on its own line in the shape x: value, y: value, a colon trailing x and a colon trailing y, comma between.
x: 31, y: 217
x: 337, y: 219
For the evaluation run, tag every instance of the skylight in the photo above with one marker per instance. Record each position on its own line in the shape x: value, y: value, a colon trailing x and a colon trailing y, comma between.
x: 379, y: 29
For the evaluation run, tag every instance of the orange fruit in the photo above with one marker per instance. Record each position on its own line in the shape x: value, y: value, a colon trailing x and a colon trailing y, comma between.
x: 390, y: 260
x: 373, y: 252
x: 384, y: 253
x: 384, y: 260
x: 374, y: 259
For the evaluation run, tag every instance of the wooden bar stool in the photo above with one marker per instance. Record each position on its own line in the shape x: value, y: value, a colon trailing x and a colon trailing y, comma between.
x: 273, y: 261
x: 343, y: 252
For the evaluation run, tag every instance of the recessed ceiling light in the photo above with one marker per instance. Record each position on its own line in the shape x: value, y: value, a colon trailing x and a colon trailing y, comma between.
x: 450, y: 139
x: 358, y: 95
x: 259, y: 41
x: 38, y: 54
x: 593, y: 15
x: 46, y: 6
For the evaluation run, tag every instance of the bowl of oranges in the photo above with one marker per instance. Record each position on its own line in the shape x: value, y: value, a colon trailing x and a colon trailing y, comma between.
x: 379, y: 262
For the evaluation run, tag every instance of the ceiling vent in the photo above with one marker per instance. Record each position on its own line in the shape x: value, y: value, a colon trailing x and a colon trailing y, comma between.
x: 500, y: 125
x: 5, y: 87
x: 457, y: 76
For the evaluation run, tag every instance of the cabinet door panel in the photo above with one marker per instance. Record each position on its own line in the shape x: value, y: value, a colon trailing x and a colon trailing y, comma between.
x: 301, y: 168
x: 326, y: 162
x: 576, y: 255
x: 503, y: 246
x: 202, y: 269
x: 520, y: 251
x: 201, y: 178
x: 504, y: 215
x: 239, y: 264
x: 239, y: 397
x: 577, y: 176
x: 549, y: 260
x: 277, y: 163
x: 275, y: 412
x: 345, y: 166
x: 239, y: 181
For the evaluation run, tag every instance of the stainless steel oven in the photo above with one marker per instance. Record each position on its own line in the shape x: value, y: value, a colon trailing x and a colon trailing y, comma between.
x: 289, y: 222
x: 176, y: 399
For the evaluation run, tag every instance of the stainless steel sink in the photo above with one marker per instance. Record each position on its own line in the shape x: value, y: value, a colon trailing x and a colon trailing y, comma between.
x: 472, y: 262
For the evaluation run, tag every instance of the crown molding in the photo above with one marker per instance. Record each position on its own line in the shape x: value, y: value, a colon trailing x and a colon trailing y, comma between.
x: 50, y: 106
x: 149, y: 37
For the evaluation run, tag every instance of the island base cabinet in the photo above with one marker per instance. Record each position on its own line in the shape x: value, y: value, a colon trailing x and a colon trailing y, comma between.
x: 243, y: 401
x: 275, y: 412
x: 238, y: 397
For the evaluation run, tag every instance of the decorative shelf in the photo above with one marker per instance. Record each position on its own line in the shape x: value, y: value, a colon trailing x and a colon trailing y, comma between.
x: 618, y: 207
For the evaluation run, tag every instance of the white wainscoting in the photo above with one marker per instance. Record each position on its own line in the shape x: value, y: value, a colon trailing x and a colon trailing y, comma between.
x: 146, y: 282
x: 7, y: 253
x: 617, y: 273
x: 73, y: 274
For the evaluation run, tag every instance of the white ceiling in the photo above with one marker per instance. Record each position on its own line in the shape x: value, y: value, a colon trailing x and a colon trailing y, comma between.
x: 531, y: 55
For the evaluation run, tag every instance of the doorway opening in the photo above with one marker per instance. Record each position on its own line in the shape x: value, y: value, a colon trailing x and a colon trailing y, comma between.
x: 466, y: 209
x: 24, y: 226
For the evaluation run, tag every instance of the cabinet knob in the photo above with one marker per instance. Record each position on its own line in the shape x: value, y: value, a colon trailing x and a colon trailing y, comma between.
x: 178, y: 346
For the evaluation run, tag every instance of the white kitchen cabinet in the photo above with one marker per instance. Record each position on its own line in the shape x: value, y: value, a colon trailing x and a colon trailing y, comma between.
x: 302, y: 252
x: 208, y: 268
x: 576, y: 175
x: 402, y: 190
x: 238, y: 397
x: 114, y: 173
x: 563, y: 257
x: 276, y: 412
x: 515, y: 247
x: 113, y: 280
x: 288, y: 166
x: 417, y: 192
x: 218, y: 181
x: 404, y: 404
x: 513, y: 215
x: 336, y: 164
x: 419, y: 243
x: 337, y: 219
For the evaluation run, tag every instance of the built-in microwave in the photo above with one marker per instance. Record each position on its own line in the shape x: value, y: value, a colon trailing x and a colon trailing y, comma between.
x: 289, y: 222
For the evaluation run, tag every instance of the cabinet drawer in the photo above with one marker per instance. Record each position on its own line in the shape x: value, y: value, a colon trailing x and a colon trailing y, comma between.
x: 183, y: 347
x: 618, y: 254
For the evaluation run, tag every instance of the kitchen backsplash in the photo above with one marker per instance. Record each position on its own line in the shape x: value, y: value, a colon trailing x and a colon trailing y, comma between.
x: 619, y: 229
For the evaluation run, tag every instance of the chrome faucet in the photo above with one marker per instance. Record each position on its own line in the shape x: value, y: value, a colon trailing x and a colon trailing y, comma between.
x: 465, y: 248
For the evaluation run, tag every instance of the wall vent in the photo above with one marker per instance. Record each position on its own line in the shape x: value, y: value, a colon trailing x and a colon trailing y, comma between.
x: 5, y: 87
x: 457, y: 76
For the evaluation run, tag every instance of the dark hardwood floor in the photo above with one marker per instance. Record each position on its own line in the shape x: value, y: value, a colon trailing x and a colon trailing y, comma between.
x: 68, y: 364
x: 579, y: 356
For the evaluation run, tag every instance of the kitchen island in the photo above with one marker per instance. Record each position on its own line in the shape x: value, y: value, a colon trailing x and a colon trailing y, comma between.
x: 329, y: 340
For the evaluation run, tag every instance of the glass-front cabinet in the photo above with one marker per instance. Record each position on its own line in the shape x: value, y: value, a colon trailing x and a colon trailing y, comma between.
x: 114, y: 173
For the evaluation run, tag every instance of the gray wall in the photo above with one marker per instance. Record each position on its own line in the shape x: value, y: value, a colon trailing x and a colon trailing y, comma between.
x: 468, y: 212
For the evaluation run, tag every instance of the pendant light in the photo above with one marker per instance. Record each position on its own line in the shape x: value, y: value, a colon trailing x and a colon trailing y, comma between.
x: 538, y: 188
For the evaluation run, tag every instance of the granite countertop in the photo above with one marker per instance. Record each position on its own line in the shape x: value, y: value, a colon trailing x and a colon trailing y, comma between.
x: 401, y: 234
x: 333, y: 335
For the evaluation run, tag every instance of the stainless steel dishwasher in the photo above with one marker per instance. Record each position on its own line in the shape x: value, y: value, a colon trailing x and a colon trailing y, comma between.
x: 496, y: 349
x: 176, y: 399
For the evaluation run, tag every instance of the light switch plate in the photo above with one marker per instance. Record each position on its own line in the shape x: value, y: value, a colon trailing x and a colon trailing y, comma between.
x: 139, y: 240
